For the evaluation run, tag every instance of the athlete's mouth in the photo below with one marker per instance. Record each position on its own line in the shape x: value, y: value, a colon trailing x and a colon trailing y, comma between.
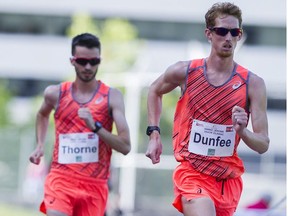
x: 87, y: 72
x: 227, y: 46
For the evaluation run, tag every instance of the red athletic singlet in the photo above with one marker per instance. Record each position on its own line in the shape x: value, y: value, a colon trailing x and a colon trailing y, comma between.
x: 67, y: 121
x: 213, y: 104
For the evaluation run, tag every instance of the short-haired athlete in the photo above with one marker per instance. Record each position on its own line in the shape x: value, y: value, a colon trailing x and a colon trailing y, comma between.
x: 85, y: 110
x: 217, y: 98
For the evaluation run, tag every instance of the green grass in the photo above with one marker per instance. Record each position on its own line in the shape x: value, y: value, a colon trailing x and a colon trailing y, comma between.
x: 14, y: 210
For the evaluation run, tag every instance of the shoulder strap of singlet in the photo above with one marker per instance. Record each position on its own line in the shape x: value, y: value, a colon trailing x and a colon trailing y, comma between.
x: 103, y: 88
x: 244, y: 74
x: 64, y: 86
x: 193, y: 65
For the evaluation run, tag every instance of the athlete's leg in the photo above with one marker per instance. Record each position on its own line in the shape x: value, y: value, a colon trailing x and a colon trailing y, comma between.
x: 203, y: 206
x: 51, y: 212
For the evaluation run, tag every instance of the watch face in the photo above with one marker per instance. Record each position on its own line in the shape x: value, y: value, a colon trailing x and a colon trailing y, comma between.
x: 98, y: 126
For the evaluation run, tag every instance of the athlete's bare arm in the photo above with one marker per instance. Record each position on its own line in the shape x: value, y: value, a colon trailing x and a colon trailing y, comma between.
x: 173, y: 77
x: 257, y: 140
x: 121, y: 141
x: 51, y: 96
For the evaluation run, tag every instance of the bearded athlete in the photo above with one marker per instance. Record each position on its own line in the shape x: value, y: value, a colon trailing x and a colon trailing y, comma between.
x: 84, y: 114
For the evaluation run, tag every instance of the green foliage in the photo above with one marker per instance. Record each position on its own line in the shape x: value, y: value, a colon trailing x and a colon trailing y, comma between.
x: 118, y: 30
x: 118, y: 37
x: 13, y: 210
x: 120, y: 45
x: 82, y: 22
x: 169, y: 102
x: 5, y: 96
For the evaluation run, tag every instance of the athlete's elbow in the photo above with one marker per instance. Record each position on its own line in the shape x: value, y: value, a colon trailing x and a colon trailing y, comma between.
x: 262, y: 151
x: 125, y: 152
x: 265, y: 146
x: 127, y: 149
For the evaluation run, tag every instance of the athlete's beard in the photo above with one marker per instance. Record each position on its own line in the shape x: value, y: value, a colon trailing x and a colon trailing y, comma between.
x: 225, y: 54
x: 86, y: 78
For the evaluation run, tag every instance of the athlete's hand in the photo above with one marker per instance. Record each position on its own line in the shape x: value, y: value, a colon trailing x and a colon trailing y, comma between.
x: 154, y: 149
x: 239, y: 118
x: 36, y: 155
x: 85, y: 114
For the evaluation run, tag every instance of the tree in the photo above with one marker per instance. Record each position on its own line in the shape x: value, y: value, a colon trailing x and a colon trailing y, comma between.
x: 5, y: 97
x: 118, y: 37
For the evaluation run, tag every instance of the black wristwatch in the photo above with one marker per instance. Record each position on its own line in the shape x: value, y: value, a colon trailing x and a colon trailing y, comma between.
x: 150, y: 129
x: 98, y: 126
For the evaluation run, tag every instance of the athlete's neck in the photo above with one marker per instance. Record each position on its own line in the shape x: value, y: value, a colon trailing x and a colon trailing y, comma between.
x: 218, y: 71
x: 85, y: 87
x: 83, y: 92
x: 219, y: 65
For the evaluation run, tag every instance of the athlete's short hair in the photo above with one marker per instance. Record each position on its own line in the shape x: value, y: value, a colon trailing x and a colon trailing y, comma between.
x: 86, y: 40
x: 222, y: 8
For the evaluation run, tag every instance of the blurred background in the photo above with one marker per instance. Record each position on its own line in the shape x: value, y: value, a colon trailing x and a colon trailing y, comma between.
x: 139, y: 41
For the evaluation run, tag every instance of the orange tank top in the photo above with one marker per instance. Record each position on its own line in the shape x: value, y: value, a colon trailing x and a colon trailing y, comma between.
x: 205, y: 102
x: 67, y: 122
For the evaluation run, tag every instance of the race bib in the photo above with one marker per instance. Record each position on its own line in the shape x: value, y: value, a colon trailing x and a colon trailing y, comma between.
x: 78, y: 148
x: 210, y: 139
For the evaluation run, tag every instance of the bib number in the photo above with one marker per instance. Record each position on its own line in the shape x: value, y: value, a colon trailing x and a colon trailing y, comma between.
x: 210, y: 139
x: 78, y: 148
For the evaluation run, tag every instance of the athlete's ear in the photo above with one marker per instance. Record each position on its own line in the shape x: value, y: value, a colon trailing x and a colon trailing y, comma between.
x: 240, y: 36
x: 72, y: 60
x: 208, y: 35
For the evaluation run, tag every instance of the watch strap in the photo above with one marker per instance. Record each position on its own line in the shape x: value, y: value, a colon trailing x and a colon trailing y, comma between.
x: 150, y: 129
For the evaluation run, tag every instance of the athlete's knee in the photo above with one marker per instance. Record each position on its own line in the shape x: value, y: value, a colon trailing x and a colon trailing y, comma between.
x: 203, y: 206
x: 51, y: 212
